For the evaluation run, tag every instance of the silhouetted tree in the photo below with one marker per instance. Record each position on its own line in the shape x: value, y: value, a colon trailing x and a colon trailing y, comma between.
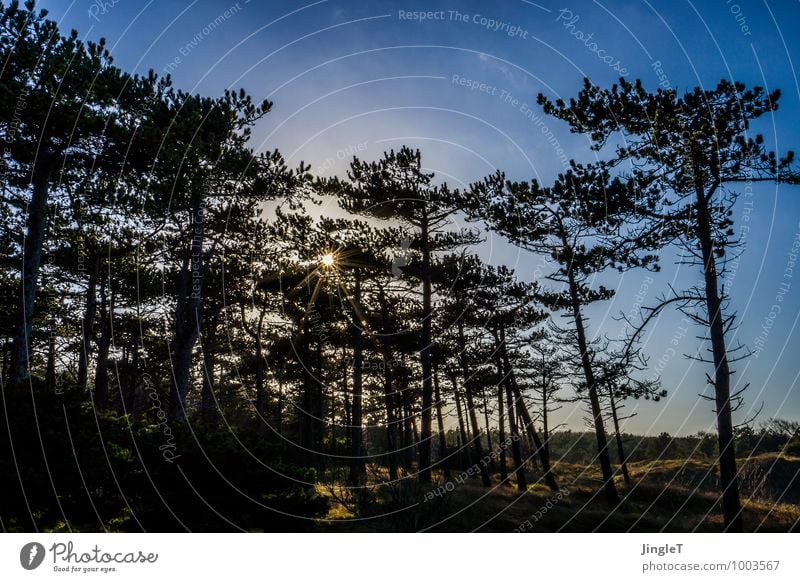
x: 695, y: 149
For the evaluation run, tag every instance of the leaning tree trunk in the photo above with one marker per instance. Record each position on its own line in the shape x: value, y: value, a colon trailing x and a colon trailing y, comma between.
x: 731, y: 504
x: 31, y: 263
x: 473, y: 418
x: 516, y: 453
x: 544, y: 454
x: 522, y: 410
x: 623, y: 460
x: 597, y: 414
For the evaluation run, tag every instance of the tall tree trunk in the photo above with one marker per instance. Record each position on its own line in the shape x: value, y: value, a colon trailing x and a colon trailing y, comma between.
x: 208, y: 405
x: 357, y: 467
x: 504, y: 371
x: 6, y: 354
x: 516, y: 453
x: 612, y: 497
x: 408, y: 430
x: 31, y: 263
x: 307, y: 425
x: 473, y: 418
x: 623, y: 461
x: 261, y: 396
x: 425, y: 360
x: 279, y: 411
x: 545, y: 422
x: 319, y: 402
x: 103, y: 347
x: 501, y: 423
x: 348, y: 413
x: 522, y: 410
x: 443, y: 460
x: 188, y: 314
x: 541, y: 448
x: 50, y: 374
x: 731, y: 505
x: 129, y: 393
x: 391, y: 418
x: 463, y: 451
x: 488, y: 429
x: 87, y: 327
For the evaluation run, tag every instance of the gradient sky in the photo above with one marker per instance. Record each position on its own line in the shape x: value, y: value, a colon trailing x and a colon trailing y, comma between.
x: 353, y: 77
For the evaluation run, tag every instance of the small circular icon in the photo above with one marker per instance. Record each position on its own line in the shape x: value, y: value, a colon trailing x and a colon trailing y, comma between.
x: 31, y: 555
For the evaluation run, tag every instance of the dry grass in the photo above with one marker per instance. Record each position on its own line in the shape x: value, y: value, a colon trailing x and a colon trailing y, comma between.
x: 666, y: 495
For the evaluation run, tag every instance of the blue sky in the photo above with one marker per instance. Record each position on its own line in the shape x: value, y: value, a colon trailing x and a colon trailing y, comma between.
x: 349, y: 77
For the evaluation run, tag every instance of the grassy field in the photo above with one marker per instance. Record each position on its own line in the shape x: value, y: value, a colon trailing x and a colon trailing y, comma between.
x: 665, y: 495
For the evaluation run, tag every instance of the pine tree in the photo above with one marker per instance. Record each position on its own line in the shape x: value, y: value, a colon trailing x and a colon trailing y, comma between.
x: 576, y: 222
x: 64, y: 108
x: 398, y: 187
x: 695, y: 150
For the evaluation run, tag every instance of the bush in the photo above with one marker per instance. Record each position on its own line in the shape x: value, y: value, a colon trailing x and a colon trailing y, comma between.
x: 69, y: 467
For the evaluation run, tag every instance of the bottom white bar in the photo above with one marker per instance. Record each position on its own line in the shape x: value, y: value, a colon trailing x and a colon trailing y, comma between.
x: 395, y: 557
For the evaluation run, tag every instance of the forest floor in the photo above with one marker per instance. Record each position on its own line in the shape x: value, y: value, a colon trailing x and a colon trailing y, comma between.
x: 664, y: 495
